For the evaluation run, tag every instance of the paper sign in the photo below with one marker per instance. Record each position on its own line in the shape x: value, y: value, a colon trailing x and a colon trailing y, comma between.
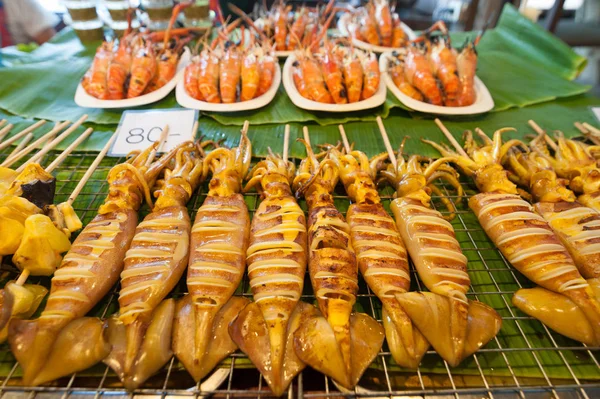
x: 139, y: 129
x: 596, y: 111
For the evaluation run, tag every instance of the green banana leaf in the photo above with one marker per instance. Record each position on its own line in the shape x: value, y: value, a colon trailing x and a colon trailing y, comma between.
x: 520, y: 63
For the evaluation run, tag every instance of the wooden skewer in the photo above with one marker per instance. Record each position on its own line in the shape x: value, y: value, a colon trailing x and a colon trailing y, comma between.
x: 483, y: 136
x: 37, y: 157
x: 306, y: 136
x: 388, y: 145
x: 580, y: 127
x: 345, y: 138
x: 194, y: 130
x: 541, y: 131
x: 161, y: 142
x: 22, y: 133
x: 591, y: 128
x: 450, y: 138
x: 91, y: 170
x: 246, y: 126
x: 5, y: 130
x: 22, y: 144
x: 58, y: 127
x: 286, y: 143
x: 3, y: 122
x: 23, y: 277
x: 590, y: 136
x: 68, y: 150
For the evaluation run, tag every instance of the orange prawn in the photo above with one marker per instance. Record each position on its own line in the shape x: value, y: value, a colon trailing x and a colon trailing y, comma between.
x: 398, y: 34
x: 250, y: 75
x: 281, y: 26
x: 313, y: 79
x: 353, y: 76
x: 396, y: 70
x: 442, y: 59
x: 298, y: 28
x: 208, y: 78
x: 118, y: 70
x: 371, y: 76
x: 334, y: 78
x: 266, y: 72
x: 418, y: 73
x: 143, y: 69
x: 466, y: 62
x: 98, y: 76
x: 230, y: 71
x: 190, y: 79
x: 383, y: 16
x: 368, y: 27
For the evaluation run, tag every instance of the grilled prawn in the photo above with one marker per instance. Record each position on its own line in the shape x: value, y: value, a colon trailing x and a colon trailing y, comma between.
x: 61, y: 341
x: 455, y: 326
x: 140, y: 334
x: 380, y: 253
x: 276, y: 261
x: 219, y: 240
x: 529, y: 244
x: 341, y: 344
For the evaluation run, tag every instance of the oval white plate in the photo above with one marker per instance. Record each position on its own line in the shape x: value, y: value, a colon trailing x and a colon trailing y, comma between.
x: 343, y: 28
x: 187, y: 101
x: 83, y: 99
x: 290, y: 87
x: 483, y: 99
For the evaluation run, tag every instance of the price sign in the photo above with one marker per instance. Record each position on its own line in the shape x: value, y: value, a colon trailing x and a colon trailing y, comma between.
x: 139, y: 129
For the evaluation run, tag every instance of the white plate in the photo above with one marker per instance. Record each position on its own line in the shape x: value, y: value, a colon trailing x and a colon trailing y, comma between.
x: 483, y: 99
x: 290, y: 87
x: 83, y: 99
x: 343, y: 28
x: 187, y: 101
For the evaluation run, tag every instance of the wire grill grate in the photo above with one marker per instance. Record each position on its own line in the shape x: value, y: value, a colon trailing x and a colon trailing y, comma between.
x: 525, y: 360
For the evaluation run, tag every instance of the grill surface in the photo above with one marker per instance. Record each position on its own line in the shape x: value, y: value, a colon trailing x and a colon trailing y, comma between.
x: 525, y: 360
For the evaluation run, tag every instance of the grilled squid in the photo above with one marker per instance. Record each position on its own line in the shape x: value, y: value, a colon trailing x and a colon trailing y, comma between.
x: 528, y: 243
x: 217, y: 260
x: 140, y: 335
x: 380, y: 253
x: 340, y: 344
x: 276, y: 259
x: 61, y: 341
x: 455, y: 326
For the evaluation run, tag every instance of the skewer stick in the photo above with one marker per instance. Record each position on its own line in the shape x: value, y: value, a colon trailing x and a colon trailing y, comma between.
x: 590, y: 136
x: 194, y: 130
x: 541, y: 131
x: 23, y: 277
x: 68, y: 150
x: 306, y: 136
x: 91, y: 169
x: 58, y: 127
x: 450, y: 138
x: 161, y: 142
x: 581, y: 128
x: 386, y: 142
x: 3, y: 122
x: 22, y: 133
x: 22, y: 144
x: 345, y: 138
x: 286, y: 143
x: 591, y: 128
x: 246, y: 126
x: 37, y: 157
x: 483, y: 136
x: 5, y: 130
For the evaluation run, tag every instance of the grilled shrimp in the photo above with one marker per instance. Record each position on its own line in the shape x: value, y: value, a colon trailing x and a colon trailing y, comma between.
x: 266, y: 71
x: 118, y: 70
x: 442, y: 59
x: 353, y: 76
x: 368, y: 27
x: 334, y: 79
x: 466, y: 63
x: 398, y: 35
x: 396, y: 70
x: 97, y: 85
x: 250, y: 75
x: 276, y: 259
x: 143, y: 69
x: 541, y: 257
x: 219, y: 240
x: 372, y: 76
x: 230, y: 70
x: 88, y: 271
x: 298, y: 28
x: 383, y: 16
x: 418, y: 74
x: 190, y: 79
x: 280, y: 15
x: 329, y: 343
x: 153, y: 265
x: 208, y: 79
x: 313, y: 83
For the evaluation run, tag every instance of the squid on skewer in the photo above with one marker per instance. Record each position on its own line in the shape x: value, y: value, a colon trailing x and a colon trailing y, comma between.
x: 140, y: 334
x: 340, y: 344
x: 576, y: 225
x: 564, y: 298
x: 380, y: 253
x: 217, y: 260
x: 61, y: 341
x: 276, y: 261
x: 455, y: 326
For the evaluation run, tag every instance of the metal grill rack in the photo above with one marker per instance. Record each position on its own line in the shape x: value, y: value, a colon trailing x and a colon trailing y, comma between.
x: 525, y: 360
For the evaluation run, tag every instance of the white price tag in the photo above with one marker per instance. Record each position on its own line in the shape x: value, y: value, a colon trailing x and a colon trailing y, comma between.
x: 596, y: 111
x: 139, y: 129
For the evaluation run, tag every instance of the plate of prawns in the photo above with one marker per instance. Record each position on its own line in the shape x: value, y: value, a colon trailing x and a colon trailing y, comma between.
x: 431, y: 76
x: 139, y: 69
x: 337, y: 78
x: 229, y: 76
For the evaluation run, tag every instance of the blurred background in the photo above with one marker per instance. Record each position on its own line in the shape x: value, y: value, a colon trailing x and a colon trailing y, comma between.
x: 31, y: 22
